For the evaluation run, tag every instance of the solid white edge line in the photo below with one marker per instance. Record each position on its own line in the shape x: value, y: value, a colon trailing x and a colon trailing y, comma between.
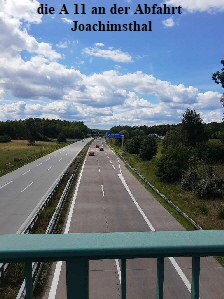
x: 135, y: 202
x: 55, y: 280
x: 172, y: 260
x: 118, y: 269
x: 181, y: 274
x: 54, y: 284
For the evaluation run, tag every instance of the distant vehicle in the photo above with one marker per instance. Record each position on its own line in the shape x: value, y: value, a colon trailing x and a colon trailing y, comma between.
x: 101, y: 149
x: 91, y: 153
x: 97, y: 146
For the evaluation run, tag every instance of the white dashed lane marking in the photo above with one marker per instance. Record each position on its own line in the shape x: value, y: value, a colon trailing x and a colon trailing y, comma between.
x: 27, y: 187
x: 5, y: 184
x: 102, y: 190
x: 26, y: 172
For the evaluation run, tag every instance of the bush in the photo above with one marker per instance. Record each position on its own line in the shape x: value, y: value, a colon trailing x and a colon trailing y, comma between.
x: 173, y: 162
x: 61, y: 138
x: 133, y: 145
x: 203, y: 210
x: 174, y: 137
x: 5, y: 138
x: 203, y: 181
x: 210, y: 152
x: 148, y: 148
x: 188, y: 179
x: 221, y: 214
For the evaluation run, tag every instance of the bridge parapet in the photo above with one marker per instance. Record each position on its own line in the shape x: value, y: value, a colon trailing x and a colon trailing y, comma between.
x: 77, y: 249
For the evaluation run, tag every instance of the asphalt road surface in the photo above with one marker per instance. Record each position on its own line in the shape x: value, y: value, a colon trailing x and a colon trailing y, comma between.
x: 110, y: 199
x: 22, y: 190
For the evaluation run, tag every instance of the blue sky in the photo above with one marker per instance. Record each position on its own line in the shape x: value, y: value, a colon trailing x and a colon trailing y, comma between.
x: 110, y: 78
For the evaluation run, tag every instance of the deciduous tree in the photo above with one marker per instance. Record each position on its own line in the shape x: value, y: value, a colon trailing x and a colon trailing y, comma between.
x: 218, y: 77
x: 148, y: 148
x: 193, y: 128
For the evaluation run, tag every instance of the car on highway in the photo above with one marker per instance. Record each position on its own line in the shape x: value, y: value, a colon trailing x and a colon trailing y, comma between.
x: 97, y: 146
x: 91, y: 153
x: 101, y: 149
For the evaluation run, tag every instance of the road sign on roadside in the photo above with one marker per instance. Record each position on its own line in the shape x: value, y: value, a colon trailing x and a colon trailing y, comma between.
x: 113, y: 135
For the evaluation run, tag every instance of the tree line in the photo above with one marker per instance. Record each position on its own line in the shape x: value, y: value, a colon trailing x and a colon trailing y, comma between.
x: 187, y: 152
x: 33, y: 129
x: 214, y: 130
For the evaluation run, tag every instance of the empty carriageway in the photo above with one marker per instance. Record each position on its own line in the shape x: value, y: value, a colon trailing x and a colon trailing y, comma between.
x: 108, y: 199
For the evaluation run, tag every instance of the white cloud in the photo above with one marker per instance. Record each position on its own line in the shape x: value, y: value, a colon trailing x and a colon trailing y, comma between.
x: 66, y: 20
x: 37, y: 78
x: 211, y: 116
x: 41, y: 76
x: 208, y: 100
x: 99, y: 44
x: 25, y: 10
x: 102, y: 99
x: 168, y: 22
x: 62, y: 45
x: 1, y: 94
x: 14, y: 39
x: 115, y: 55
x: 192, y: 6
x: 146, y: 85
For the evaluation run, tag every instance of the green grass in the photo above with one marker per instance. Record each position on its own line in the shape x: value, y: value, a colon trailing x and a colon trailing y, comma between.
x: 16, y: 153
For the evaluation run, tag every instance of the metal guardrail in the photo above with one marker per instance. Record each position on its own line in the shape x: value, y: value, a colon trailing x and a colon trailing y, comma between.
x: 77, y: 249
x: 158, y: 192
x: 29, y: 223
x: 37, y: 267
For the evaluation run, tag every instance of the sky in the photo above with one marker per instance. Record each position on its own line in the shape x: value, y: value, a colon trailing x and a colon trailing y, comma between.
x: 50, y: 69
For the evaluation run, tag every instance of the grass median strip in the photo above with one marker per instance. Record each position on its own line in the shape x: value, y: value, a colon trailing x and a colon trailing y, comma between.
x: 15, y: 272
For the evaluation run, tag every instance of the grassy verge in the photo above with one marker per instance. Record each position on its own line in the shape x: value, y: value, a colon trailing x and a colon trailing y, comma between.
x: 17, y: 153
x: 208, y: 213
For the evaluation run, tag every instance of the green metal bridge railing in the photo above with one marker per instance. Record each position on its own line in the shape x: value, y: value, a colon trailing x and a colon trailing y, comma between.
x: 77, y: 249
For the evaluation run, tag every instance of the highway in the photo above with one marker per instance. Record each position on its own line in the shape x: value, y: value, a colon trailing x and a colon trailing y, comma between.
x: 23, y: 190
x: 109, y: 199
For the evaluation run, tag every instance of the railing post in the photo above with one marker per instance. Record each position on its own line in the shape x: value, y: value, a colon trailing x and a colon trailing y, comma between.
x: 160, y: 278
x: 77, y: 278
x: 29, y: 280
x: 195, y: 277
x: 123, y: 279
